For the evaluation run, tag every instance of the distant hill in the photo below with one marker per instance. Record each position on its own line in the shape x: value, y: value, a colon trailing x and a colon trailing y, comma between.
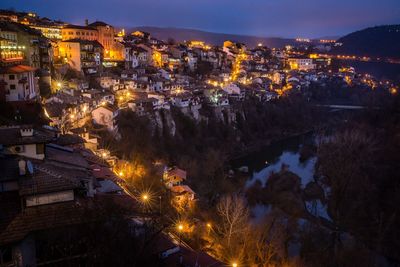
x: 180, y: 35
x: 380, y: 41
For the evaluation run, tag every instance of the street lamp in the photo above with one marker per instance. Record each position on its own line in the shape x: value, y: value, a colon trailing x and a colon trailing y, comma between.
x: 234, y: 264
x: 145, y: 197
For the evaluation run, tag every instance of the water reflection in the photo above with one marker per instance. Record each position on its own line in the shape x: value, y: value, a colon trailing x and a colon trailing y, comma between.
x: 285, y: 152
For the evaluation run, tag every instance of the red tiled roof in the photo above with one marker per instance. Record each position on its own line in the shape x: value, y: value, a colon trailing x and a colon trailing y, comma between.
x: 44, y: 217
x: 182, y: 189
x: 42, y: 183
x: 177, y: 172
x: 40, y: 218
x: 16, y: 69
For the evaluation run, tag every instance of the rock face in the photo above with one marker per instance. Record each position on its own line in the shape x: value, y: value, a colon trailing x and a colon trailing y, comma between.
x: 163, y: 121
x: 283, y: 190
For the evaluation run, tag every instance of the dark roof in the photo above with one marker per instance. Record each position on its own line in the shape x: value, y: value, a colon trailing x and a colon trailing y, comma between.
x: 67, y: 156
x: 72, y: 26
x: 41, y: 218
x: 43, y: 182
x: 12, y: 136
x: 69, y: 139
x: 98, y: 24
x: 12, y: 26
x: 193, y: 258
x: 190, y: 257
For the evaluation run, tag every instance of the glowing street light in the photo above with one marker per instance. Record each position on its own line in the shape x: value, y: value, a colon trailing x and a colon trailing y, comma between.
x: 145, y: 197
x: 180, y: 227
x: 234, y: 264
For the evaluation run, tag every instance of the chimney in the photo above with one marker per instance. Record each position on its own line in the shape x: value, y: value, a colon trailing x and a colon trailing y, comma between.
x: 86, y: 22
x: 26, y: 132
x: 22, y: 167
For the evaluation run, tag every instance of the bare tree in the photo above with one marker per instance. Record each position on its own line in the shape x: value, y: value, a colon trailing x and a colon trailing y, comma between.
x: 231, y: 233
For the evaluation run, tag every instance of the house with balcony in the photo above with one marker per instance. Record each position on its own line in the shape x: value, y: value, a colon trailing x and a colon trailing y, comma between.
x: 105, y: 115
x: 82, y: 55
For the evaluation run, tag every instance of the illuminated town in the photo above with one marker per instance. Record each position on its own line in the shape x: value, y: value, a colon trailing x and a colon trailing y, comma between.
x: 121, y: 148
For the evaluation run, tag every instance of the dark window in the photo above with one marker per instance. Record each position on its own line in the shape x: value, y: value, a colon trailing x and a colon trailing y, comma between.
x: 12, y: 86
x: 39, y: 149
x: 11, y: 77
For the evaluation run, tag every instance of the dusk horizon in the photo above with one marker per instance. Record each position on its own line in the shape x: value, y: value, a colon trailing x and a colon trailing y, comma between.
x: 284, y: 19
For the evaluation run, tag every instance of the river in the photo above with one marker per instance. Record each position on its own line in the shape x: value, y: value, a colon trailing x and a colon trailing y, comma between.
x: 270, y: 159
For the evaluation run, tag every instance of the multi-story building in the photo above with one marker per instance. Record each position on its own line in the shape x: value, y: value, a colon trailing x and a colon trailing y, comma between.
x: 50, y: 31
x: 6, y: 15
x: 35, y: 47
x: 70, y: 31
x: 106, y: 34
x: 301, y: 64
x: 82, y: 55
x: 18, y: 83
x: 112, y: 50
x: 10, y: 51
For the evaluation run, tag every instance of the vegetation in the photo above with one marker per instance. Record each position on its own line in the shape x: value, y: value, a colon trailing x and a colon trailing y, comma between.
x: 380, y: 41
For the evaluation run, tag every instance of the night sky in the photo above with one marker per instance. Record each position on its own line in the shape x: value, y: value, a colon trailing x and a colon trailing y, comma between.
x: 282, y: 18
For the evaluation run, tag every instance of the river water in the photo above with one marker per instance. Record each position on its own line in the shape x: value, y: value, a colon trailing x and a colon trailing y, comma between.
x: 271, y: 158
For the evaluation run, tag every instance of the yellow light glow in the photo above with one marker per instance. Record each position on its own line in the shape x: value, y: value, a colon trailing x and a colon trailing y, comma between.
x: 234, y: 264
x: 180, y: 227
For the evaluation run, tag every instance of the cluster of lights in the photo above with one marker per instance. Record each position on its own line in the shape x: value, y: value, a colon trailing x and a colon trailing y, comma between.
x: 237, y: 65
x: 157, y: 59
x: 12, y: 47
x: 199, y: 44
x: 325, y: 41
x: 215, y: 83
x: 303, y: 40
